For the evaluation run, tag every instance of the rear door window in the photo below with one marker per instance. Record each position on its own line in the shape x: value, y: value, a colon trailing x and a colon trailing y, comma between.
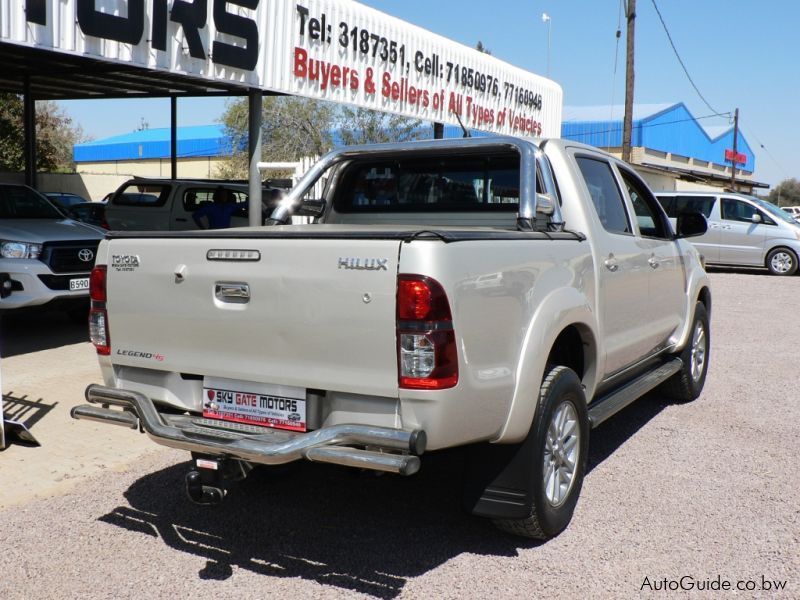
x: 605, y: 194
x: 675, y: 205
x: 142, y: 194
x: 701, y: 204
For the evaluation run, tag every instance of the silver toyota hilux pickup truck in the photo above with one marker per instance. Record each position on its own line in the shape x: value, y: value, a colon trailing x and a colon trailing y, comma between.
x: 45, y: 257
x: 496, y: 293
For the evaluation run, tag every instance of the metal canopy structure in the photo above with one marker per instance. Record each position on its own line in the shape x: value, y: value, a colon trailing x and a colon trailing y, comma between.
x: 61, y: 76
x: 39, y: 74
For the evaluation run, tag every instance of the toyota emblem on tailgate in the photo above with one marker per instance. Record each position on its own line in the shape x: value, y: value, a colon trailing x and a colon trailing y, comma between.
x: 85, y: 255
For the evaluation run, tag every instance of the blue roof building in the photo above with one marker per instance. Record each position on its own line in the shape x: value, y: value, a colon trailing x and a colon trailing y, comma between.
x: 193, y: 142
x: 665, y: 137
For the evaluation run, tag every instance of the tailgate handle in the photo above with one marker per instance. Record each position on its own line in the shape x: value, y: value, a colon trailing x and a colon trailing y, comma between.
x: 232, y: 292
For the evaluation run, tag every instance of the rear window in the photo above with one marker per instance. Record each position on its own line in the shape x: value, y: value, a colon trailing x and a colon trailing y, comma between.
x: 675, y: 205
x: 194, y: 198
x: 142, y: 194
x: 431, y: 184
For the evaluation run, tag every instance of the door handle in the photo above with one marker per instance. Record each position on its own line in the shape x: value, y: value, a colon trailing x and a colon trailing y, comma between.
x: 653, y: 262
x: 238, y: 293
x: 611, y: 263
x: 181, y: 219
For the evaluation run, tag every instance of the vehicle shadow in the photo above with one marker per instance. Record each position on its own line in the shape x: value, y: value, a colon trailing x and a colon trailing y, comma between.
x: 613, y: 433
x: 322, y: 523
x: 32, y: 331
x: 335, y: 526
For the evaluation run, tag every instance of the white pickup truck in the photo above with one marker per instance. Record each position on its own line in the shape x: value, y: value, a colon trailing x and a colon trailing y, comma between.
x: 494, y: 293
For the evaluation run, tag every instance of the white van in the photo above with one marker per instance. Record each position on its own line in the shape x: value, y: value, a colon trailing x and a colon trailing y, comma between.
x: 742, y: 230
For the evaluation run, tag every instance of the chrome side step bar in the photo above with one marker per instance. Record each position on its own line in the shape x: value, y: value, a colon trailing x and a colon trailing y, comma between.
x: 270, y: 447
x: 605, y: 407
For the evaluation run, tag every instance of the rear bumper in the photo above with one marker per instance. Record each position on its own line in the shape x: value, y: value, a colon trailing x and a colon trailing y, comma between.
x: 361, y: 446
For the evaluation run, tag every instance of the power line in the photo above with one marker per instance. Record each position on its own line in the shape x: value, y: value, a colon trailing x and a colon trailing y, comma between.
x: 685, y: 70
x: 765, y: 149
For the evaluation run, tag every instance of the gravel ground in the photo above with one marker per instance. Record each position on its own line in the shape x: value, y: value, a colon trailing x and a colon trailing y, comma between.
x: 705, y: 490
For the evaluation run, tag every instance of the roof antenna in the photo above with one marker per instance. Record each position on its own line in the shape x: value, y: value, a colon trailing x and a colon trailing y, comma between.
x: 467, y: 134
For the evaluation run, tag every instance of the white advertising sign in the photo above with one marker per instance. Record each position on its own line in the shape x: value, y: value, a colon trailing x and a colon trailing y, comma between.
x: 336, y: 50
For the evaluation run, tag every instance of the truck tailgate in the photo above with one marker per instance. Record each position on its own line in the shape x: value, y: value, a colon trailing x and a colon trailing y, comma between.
x: 296, y: 315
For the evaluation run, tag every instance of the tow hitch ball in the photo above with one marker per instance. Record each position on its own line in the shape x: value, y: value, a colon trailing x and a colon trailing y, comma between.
x: 208, y: 481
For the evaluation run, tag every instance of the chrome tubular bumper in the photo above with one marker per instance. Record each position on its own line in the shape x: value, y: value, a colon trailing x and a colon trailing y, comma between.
x: 391, y: 450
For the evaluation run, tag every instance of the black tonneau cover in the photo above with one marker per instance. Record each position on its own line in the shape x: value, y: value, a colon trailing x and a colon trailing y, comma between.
x: 405, y: 235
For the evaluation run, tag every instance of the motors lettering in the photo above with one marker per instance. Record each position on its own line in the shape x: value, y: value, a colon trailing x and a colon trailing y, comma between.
x: 190, y: 16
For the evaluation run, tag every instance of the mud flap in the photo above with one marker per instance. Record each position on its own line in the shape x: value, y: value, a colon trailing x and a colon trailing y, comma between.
x: 498, y: 481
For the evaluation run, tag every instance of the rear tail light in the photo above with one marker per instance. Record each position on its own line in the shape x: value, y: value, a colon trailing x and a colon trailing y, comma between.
x: 426, y: 343
x: 98, y: 315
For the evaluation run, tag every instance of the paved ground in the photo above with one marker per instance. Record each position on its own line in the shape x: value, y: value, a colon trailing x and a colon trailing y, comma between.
x: 707, y: 492
x: 42, y: 381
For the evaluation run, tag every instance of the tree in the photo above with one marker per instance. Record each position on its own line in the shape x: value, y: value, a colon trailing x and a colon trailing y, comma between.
x: 365, y: 126
x: 291, y: 128
x: 481, y: 48
x: 294, y: 127
x: 786, y: 193
x: 55, y: 136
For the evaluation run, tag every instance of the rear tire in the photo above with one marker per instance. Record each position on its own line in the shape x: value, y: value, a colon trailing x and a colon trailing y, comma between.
x: 782, y: 261
x: 559, y: 437
x: 687, y: 383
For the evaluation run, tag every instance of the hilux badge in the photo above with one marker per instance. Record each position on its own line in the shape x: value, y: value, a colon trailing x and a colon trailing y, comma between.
x: 364, y: 264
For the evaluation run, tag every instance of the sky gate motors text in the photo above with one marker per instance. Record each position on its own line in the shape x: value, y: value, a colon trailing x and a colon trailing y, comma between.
x: 190, y: 16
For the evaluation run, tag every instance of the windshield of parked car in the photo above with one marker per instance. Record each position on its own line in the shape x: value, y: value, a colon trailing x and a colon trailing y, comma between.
x: 65, y: 199
x: 20, y: 202
x: 774, y: 211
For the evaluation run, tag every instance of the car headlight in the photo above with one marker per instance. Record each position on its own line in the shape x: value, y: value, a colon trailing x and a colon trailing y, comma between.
x: 19, y: 249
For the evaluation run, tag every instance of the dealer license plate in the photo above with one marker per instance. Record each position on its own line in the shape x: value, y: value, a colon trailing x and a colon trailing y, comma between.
x: 279, y: 406
x: 78, y: 284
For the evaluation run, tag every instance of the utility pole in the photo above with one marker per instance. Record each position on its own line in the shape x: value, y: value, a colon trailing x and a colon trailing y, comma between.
x: 627, y: 123
x: 735, y: 148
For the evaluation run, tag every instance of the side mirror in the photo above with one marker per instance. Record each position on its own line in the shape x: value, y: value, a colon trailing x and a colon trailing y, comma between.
x: 691, y: 225
x: 756, y: 218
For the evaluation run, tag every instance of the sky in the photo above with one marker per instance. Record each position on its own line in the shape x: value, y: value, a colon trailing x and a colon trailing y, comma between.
x: 739, y: 54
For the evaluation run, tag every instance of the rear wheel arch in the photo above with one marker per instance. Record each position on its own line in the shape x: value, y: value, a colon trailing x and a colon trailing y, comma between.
x: 574, y: 347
